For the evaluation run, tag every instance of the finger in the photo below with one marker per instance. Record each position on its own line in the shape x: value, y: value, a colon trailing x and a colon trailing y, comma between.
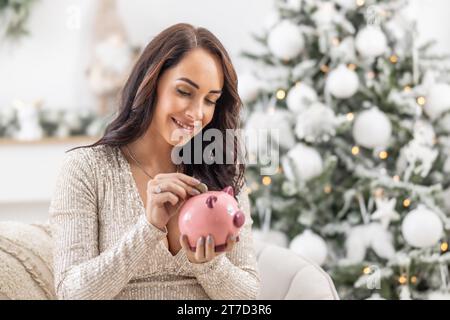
x: 189, y: 189
x: 209, y: 251
x: 161, y: 199
x: 200, y: 251
x: 185, y: 243
x: 183, y: 177
x: 231, y: 241
x: 169, y: 186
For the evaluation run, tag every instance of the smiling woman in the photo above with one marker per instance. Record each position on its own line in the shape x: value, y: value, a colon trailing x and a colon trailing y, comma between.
x: 184, y: 79
x: 115, y: 210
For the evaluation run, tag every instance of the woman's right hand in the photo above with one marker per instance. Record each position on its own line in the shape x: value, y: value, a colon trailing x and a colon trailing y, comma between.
x: 175, y: 189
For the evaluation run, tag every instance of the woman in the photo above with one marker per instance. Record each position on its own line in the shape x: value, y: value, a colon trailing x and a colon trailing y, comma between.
x: 114, y: 212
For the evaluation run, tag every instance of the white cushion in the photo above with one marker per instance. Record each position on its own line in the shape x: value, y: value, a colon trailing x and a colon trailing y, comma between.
x: 286, y: 275
x: 25, y: 262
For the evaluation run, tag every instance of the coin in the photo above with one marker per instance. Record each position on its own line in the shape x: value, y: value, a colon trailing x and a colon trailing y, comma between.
x: 202, y: 187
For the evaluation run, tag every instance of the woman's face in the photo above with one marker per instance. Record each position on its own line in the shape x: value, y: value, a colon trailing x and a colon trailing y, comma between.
x: 186, y: 97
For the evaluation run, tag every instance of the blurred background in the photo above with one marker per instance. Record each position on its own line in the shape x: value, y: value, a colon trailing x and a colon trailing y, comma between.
x: 358, y: 89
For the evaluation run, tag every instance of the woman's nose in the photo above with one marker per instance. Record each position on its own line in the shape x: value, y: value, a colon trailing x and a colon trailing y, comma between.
x: 195, y: 112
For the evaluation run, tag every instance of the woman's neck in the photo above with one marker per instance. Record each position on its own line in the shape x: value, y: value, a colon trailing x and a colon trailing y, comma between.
x: 153, y: 153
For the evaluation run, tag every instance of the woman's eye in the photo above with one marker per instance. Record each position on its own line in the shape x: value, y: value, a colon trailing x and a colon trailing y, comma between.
x: 183, y: 93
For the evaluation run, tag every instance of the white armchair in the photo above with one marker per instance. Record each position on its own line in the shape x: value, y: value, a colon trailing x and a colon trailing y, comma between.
x: 288, y: 276
x: 26, y: 268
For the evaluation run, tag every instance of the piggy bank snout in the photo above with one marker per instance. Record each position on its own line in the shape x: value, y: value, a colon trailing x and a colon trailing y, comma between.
x: 238, y: 219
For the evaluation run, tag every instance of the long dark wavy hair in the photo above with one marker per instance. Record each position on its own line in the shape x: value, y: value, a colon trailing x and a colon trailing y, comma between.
x: 138, y: 96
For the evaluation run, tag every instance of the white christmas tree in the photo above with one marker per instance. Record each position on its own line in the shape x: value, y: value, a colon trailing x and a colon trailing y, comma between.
x: 363, y: 113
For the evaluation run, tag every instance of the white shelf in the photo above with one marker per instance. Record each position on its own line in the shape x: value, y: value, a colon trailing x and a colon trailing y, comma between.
x: 28, y: 169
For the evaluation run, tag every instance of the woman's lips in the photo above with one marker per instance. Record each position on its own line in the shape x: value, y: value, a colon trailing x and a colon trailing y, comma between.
x: 183, y: 126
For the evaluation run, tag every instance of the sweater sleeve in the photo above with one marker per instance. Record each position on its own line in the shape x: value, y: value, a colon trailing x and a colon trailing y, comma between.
x: 80, y: 270
x: 233, y: 275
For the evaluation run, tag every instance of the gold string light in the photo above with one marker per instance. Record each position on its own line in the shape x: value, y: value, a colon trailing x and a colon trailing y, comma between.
x: 396, y: 178
x: 266, y: 180
x: 367, y: 270
x: 383, y: 155
x: 360, y: 3
x: 324, y: 68
x: 351, y: 66
x: 281, y: 94
x: 407, y: 89
x: 413, y: 280
x: 355, y: 150
x: 327, y: 189
x: 406, y: 202
x: 444, y: 246
x: 421, y: 101
x: 402, y: 279
x: 350, y: 116
x: 393, y: 58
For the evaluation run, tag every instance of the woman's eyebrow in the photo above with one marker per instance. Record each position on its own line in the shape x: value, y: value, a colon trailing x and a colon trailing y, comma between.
x: 192, y: 83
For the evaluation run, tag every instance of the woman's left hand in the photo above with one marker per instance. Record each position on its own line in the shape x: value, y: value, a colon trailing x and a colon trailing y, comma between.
x: 205, y: 248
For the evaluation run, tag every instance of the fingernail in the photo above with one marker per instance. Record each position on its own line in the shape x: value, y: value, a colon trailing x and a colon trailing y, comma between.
x: 195, y: 192
x: 209, y: 239
x: 202, y: 240
x: 196, y: 181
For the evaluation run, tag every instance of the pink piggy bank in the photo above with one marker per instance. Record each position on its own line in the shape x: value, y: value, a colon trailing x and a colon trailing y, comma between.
x: 213, y: 212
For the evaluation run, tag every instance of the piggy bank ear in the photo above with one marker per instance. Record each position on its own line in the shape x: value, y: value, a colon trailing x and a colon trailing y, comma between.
x: 229, y: 190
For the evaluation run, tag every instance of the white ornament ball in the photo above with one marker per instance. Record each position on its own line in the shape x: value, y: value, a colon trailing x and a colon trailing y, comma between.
x: 316, y: 123
x: 311, y: 246
x: 342, y: 82
x: 306, y: 163
x: 437, y: 100
x: 372, y: 129
x: 285, y: 40
x: 371, y: 42
x: 300, y: 97
x: 422, y: 228
x: 248, y: 87
x: 274, y: 237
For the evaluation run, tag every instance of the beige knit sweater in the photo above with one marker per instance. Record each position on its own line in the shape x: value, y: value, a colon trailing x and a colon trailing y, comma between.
x: 106, y: 249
